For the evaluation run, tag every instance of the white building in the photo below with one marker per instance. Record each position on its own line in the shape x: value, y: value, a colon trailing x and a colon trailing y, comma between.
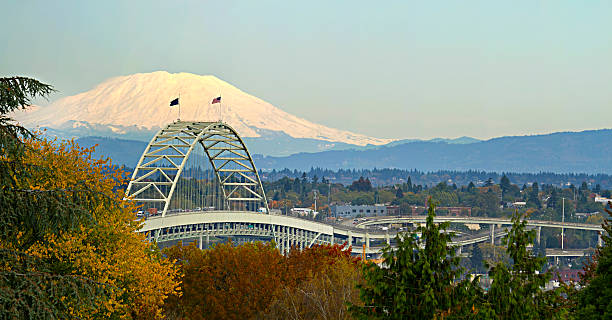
x: 602, y: 199
x: 345, y: 211
x: 303, y: 212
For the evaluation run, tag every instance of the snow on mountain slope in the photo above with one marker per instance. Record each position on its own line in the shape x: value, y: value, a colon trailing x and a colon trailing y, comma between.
x: 143, y: 100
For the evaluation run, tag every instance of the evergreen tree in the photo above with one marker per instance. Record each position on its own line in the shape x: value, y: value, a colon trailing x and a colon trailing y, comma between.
x: 594, y: 301
x: 476, y: 259
x: 504, y: 183
x: 399, y: 193
x: 420, y: 279
x: 554, y: 198
x: 471, y: 187
x: 409, y: 184
x: 516, y: 291
x: 533, y: 197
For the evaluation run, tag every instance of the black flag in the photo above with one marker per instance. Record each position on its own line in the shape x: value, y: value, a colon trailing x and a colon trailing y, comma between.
x: 174, y: 102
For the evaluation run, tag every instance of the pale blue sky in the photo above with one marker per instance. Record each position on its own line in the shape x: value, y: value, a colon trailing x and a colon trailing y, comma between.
x: 395, y: 69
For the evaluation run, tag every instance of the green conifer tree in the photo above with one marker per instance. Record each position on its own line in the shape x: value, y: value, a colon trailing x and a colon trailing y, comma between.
x: 594, y: 301
x: 420, y: 279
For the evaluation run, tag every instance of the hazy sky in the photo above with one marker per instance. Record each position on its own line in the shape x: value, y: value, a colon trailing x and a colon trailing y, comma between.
x: 395, y: 69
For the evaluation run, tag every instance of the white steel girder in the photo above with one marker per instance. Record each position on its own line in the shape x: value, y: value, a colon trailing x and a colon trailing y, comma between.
x: 168, y: 152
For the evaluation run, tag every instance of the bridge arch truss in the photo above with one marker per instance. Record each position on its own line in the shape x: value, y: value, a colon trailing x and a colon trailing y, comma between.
x: 212, y: 145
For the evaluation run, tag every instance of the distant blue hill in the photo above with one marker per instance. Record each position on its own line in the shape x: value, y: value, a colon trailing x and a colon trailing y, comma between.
x: 586, y: 151
x: 269, y: 142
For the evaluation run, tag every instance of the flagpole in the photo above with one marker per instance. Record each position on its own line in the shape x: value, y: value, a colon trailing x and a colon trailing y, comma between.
x: 179, y: 103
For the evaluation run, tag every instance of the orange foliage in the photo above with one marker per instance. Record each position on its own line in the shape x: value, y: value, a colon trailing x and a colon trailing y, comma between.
x: 226, y: 282
x: 254, y: 279
x: 304, y: 264
x: 112, y: 252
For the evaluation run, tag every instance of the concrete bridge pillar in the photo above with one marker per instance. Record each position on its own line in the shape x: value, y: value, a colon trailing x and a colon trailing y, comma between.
x: 281, y: 239
x: 350, y: 239
x: 207, y: 241
x: 388, y: 239
x: 367, y: 241
x: 302, y: 240
x: 492, y: 234
x: 538, y: 235
x: 599, y: 239
x: 332, y: 237
x: 459, y: 250
x: 200, y: 243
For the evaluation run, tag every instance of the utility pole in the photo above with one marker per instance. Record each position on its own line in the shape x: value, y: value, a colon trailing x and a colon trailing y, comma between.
x: 562, y: 220
x: 315, y: 195
x: 329, y: 194
x: 329, y: 197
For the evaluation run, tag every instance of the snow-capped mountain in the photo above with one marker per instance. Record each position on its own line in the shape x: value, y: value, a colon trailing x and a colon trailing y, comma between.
x: 137, y: 104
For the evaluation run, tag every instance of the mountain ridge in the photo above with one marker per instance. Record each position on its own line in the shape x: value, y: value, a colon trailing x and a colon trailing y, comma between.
x: 585, y: 151
x: 562, y: 152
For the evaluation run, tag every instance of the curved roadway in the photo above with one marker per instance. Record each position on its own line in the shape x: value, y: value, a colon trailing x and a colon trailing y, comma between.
x: 479, y: 220
x: 184, y: 226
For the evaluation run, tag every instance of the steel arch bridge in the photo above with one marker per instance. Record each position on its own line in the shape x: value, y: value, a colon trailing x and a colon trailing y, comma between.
x: 164, y: 161
x: 220, y: 201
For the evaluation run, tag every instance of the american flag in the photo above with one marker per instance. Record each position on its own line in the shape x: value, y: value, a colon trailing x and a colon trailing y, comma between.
x: 216, y: 100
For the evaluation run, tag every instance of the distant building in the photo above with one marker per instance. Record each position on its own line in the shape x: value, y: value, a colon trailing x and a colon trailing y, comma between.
x: 346, y: 211
x: 393, y: 210
x: 445, y: 211
x: 567, y: 275
x: 303, y: 212
x: 602, y: 199
x: 585, y: 214
x: 455, y: 211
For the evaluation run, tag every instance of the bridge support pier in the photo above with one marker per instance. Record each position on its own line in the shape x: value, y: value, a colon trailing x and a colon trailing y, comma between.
x: 200, y: 243
x: 207, y: 241
x: 388, y: 239
x: 599, y: 239
x: 367, y: 241
x: 301, y: 237
x: 350, y: 239
x: 492, y: 234
x: 459, y: 250
x: 538, y: 235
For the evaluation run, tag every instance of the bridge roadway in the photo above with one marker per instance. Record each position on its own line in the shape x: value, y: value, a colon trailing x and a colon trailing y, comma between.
x: 477, y: 220
x: 289, y: 231
x: 482, y: 220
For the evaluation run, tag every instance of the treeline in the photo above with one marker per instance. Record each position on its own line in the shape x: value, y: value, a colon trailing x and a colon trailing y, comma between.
x: 382, y: 177
x: 491, y: 198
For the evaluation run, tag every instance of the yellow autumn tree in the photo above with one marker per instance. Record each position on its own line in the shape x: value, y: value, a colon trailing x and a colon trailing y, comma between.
x: 109, y: 251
